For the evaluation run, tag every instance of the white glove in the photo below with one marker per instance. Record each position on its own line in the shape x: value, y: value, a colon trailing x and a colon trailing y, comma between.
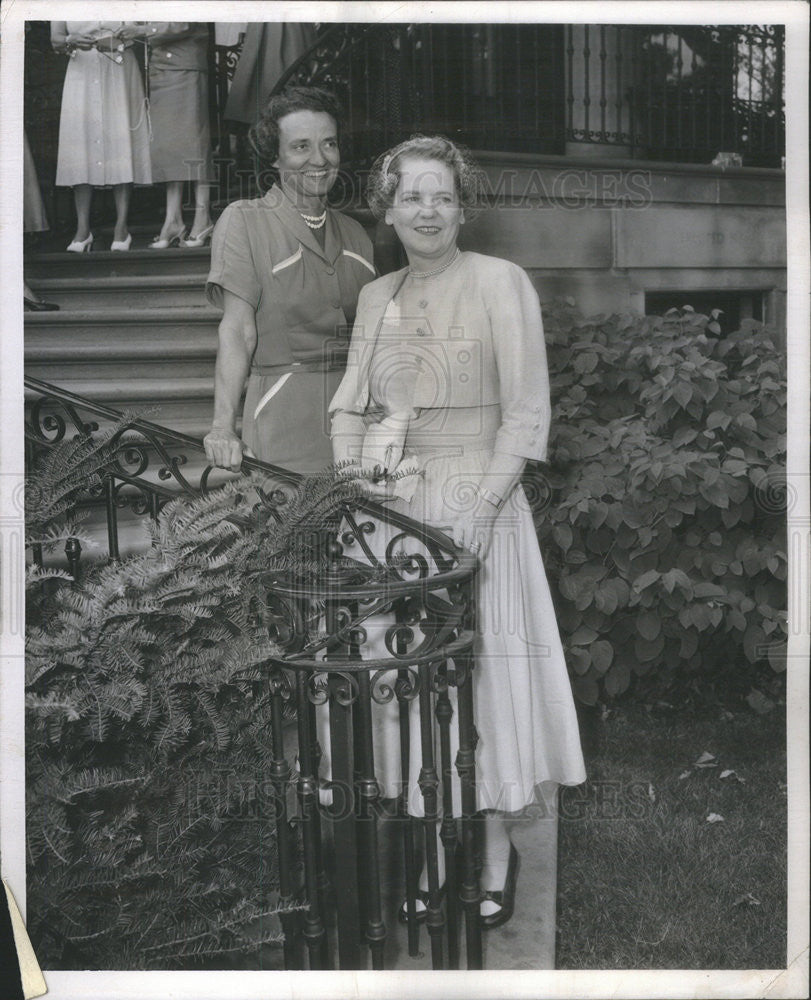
x: 383, y: 444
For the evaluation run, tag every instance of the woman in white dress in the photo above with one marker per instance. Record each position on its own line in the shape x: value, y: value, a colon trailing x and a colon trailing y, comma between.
x: 448, y: 367
x: 103, y: 127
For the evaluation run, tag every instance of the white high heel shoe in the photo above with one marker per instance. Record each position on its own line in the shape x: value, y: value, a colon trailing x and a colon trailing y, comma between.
x: 200, y: 239
x: 81, y: 246
x: 122, y: 244
x: 170, y: 241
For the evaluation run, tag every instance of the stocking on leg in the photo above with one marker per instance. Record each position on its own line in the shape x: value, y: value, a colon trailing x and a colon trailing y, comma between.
x: 495, y: 859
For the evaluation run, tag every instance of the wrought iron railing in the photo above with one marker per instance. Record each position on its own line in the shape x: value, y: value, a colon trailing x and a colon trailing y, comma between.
x: 666, y: 92
x: 151, y: 463
x: 389, y: 623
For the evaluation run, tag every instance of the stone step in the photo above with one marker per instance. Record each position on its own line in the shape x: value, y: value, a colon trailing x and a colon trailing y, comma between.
x: 131, y: 390
x: 135, y: 359
x: 81, y: 344
x: 169, y: 323
x: 104, y: 263
x: 93, y: 294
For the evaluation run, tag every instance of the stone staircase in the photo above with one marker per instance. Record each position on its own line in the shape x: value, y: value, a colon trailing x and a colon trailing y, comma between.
x: 134, y: 331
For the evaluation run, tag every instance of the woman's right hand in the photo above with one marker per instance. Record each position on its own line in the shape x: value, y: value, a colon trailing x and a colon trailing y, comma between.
x: 224, y: 449
x: 130, y: 30
x: 80, y: 40
x: 380, y: 488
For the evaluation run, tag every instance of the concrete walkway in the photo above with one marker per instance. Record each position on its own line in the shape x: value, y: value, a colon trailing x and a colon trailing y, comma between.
x: 527, y: 941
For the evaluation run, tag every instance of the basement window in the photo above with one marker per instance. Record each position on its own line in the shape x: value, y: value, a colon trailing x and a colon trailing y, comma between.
x: 734, y: 305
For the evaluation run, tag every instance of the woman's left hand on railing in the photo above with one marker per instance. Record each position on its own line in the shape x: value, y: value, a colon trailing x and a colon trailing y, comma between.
x: 224, y: 448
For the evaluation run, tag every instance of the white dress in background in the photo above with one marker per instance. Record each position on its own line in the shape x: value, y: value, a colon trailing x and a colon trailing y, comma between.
x: 103, y: 126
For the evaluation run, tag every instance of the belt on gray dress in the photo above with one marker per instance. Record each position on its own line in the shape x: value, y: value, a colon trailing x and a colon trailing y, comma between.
x: 334, y: 363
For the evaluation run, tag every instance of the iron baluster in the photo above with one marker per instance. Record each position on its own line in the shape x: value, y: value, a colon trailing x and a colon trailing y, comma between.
x: 620, y: 44
x: 448, y: 831
x: 708, y: 70
x: 570, y: 87
x: 322, y: 882
x: 693, y: 114
x: 603, y: 56
x: 112, y: 516
x: 368, y: 798
x: 428, y: 782
x: 586, y: 83
x: 343, y: 805
x: 466, y: 768
x: 314, y: 929
x: 679, y: 138
x: 633, y: 126
x: 411, y: 884
x: 73, y: 551
x: 36, y: 554
x: 664, y: 109
x: 280, y: 782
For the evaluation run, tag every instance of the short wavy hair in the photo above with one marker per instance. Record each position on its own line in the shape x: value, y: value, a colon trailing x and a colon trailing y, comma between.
x: 264, y: 135
x: 385, y: 173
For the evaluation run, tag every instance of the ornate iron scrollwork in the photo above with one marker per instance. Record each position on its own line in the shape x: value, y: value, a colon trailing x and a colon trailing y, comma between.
x: 149, y: 464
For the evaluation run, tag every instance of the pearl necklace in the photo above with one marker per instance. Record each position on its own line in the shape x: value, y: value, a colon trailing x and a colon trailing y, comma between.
x: 315, y: 221
x: 437, y: 270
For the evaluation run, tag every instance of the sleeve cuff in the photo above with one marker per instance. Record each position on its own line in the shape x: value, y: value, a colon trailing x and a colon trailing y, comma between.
x: 522, y: 445
x: 216, y: 285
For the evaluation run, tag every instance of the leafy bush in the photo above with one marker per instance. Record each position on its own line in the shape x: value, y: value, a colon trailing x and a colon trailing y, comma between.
x: 665, y: 530
x: 151, y: 823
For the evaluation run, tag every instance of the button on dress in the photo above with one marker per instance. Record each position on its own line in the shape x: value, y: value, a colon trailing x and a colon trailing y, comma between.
x: 103, y: 128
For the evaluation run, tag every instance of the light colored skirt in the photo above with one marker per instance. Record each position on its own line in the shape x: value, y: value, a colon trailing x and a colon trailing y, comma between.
x: 523, y: 705
x: 103, y: 130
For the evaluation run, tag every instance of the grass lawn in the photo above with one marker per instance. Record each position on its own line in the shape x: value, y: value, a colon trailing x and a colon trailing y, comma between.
x: 647, y: 879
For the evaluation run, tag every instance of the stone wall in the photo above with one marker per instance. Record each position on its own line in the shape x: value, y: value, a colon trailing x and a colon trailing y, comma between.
x: 605, y: 232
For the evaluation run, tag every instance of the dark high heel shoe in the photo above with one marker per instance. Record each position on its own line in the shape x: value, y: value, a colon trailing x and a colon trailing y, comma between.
x: 420, y: 915
x: 37, y: 305
x: 504, y: 898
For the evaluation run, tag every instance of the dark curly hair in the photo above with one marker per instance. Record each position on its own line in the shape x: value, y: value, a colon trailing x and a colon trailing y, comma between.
x: 264, y: 135
x: 385, y: 173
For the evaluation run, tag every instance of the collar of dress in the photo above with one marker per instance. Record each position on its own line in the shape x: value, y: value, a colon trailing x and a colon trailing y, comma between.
x: 288, y: 215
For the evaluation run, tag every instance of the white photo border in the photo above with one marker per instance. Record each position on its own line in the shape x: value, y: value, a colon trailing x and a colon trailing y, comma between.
x: 112, y: 985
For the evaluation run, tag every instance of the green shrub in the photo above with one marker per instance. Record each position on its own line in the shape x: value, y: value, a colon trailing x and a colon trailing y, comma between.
x: 664, y: 532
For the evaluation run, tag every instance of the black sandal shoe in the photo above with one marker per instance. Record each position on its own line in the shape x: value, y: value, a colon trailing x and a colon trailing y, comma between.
x: 37, y: 305
x: 504, y: 898
x: 419, y: 915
